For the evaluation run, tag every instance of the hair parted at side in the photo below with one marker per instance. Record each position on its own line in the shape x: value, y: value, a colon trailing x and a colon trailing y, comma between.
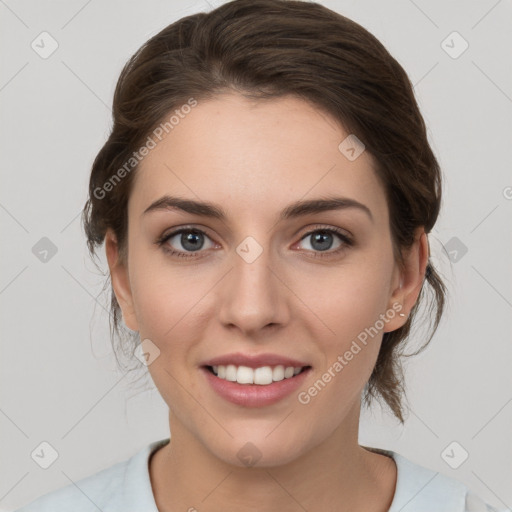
x: 266, y: 49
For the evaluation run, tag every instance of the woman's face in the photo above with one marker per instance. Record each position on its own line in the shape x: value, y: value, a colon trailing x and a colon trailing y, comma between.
x: 259, y: 281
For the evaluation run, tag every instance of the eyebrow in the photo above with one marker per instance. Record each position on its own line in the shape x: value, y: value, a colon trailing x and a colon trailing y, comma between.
x: 294, y: 210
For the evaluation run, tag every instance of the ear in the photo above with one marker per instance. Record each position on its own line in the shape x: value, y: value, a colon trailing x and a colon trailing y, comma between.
x: 120, y: 280
x: 407, y: 281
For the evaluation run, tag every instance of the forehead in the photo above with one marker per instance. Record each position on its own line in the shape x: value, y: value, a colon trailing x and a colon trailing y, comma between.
x: 246, y: 154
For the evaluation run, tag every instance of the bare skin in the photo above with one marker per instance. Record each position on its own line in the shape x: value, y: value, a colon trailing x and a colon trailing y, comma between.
x: 253, y: 159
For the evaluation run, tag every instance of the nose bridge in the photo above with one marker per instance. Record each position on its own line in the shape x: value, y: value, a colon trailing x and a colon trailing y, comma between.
x: 252, y: 297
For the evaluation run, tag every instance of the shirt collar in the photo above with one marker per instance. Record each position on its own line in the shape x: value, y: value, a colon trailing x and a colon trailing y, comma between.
x: 137, y: 491
x: 422, y: 489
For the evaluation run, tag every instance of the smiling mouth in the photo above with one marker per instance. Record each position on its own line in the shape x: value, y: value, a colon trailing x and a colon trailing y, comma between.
x: 262, y: 376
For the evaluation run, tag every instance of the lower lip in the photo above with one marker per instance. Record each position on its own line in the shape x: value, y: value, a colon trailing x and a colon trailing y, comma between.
x: 254, y: 395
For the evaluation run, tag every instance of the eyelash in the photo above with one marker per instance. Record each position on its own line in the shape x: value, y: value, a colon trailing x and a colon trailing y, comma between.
x: 346, y: 242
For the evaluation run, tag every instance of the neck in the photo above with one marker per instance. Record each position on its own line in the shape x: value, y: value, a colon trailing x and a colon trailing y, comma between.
x: 337, y: 474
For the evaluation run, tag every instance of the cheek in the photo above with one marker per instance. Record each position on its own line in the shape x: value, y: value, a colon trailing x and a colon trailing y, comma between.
x: 347, y: 300
x: 350, y: 346
x: 156, y: 308
x: 165, y: 298
x: 170, y: 308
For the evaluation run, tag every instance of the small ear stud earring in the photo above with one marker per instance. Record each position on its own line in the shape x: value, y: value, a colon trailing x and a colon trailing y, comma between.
x: 402, y: 314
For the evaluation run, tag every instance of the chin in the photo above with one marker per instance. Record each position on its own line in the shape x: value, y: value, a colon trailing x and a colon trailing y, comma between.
x: 259, y: 451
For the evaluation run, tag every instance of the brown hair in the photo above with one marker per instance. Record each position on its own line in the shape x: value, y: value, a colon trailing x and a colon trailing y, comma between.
x: 268, y: 49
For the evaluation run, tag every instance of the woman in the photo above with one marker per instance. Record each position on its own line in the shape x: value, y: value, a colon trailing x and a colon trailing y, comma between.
x: 265, y: 198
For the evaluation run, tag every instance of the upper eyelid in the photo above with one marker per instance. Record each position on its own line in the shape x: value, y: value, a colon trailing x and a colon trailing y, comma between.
x: 178, y: 230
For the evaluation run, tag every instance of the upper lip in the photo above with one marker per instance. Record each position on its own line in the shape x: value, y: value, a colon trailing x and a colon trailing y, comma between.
x: 254, y: 361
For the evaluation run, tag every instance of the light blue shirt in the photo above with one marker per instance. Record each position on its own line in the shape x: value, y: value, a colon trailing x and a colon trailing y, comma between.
x: 126, y: 487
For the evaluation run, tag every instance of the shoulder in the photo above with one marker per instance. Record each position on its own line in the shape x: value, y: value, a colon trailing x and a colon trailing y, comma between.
x: 474, y: 503
x: 95, y: 490
x: 81, y: 495
x: 113, y: 489
x: 429, y: 489
x: 419, y: 489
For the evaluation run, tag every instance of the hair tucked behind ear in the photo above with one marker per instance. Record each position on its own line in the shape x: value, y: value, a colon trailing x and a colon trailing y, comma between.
x: 268, y: 49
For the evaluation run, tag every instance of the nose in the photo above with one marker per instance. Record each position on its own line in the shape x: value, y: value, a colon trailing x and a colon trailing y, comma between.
x: 253, y: 296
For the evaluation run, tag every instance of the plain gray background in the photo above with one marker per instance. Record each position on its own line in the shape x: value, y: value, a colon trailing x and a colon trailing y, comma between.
x: 59, y: 378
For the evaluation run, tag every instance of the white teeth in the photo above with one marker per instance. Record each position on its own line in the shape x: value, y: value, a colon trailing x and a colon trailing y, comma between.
x: 288, y: 372
x: 245, y: 375
x: 278, y: 373
x: 262, y: 376
x: 231, y: 372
